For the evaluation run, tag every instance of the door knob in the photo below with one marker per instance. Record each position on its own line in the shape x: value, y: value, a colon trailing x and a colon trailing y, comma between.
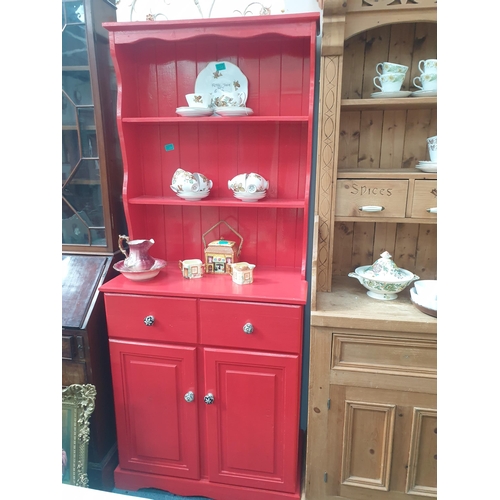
x: 209, y: 398
x: 248, y: 328
x: 149, y: 320
x: 189, y: 396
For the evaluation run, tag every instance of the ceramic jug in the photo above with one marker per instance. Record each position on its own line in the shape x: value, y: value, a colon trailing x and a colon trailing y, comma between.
x: 137, y: 258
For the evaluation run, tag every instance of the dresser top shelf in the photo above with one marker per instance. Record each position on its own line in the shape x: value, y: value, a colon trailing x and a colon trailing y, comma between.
x: 269, y: 285
x: 348, y: 306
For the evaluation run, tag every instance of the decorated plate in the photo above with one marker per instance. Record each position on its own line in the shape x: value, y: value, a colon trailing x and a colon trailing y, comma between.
x: 221, y: 75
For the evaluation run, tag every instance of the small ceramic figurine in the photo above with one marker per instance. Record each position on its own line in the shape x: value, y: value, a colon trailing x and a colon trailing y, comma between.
x: 242, y: 273
x: 192, y: 268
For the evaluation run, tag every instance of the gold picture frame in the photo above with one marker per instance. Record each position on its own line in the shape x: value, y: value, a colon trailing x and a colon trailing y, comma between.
x: 78, y: 403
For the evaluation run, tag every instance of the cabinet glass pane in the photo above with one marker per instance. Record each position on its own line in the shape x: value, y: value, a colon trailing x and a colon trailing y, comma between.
x: 82, y: 206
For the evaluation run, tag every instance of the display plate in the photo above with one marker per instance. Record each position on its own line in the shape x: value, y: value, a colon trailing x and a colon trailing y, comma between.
x: 221, y: 75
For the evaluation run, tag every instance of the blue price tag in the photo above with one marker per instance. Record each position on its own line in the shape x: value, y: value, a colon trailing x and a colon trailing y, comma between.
x: 169, y: 147
x: 220, y: 66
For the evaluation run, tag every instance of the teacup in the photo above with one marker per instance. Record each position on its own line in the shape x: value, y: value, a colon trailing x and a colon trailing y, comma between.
x: 432, y: 146
x: 248, y: 183
x: 428, y: 65
x: 388, y: 67
x: 199, y: 100
x: 428, y: 81
x: 389, y: 82
x: 220, y: 99
x: 183, y: 181
x: 204, y: 184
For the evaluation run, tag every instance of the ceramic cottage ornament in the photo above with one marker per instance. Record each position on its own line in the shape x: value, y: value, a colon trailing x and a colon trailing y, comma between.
x: 384, y: 279
x: 219, y: 254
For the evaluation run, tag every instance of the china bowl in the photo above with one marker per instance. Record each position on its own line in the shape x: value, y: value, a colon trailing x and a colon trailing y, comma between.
x: 383, y: 280
x: 423, y: 304
x: 424, y: 293
x: 143, y: 275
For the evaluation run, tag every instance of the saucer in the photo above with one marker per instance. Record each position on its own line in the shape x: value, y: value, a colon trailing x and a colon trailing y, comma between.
x: 250, y: 196
x: 383, y: 95
x: 424, y: 93
x: 193, y: 111
x: 427, y: 166
x: 233, y: 111
x: 193, y: 196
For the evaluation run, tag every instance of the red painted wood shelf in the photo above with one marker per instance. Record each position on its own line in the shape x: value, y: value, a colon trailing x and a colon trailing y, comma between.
x: 207, y: 373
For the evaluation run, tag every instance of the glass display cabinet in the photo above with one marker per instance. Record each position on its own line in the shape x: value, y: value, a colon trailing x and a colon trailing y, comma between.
x: 91, y: 163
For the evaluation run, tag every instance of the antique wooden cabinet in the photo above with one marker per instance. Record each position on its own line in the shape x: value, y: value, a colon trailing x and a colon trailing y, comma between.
x: 206, y: 372
x: 372, y: 419
x: 92, y: 215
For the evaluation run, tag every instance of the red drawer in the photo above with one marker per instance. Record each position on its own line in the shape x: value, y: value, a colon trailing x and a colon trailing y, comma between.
x: 173, y: 319
x: 272, y: 327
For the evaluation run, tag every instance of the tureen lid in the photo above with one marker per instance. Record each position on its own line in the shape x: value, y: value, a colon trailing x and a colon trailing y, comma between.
x: 385, y: 267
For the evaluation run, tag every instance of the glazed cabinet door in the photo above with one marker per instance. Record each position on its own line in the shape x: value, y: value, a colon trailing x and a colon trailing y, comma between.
x: 252, y: 418
x: 156, y: 408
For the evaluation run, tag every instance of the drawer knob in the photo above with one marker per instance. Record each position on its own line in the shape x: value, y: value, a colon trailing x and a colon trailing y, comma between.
x: 433, y: 210
x: 371, y: 208
x: 149, y: 320
x: 248, y: 328
x: 189, y: 396
x: 209, y: 398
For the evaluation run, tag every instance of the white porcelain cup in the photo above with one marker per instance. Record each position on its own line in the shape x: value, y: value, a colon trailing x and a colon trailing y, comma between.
x: 428, y: 66
x: 199, y: 100
x: 387, y: 67
x: 428, y: 81
x: 248, y: 183
x: 432, y: 146
x: 221, y: 99
x: 389, y: 82
x: 204, y: 184
x: 184, y: 181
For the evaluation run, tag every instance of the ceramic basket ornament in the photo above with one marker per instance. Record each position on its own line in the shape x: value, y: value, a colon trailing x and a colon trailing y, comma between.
x: 219, y: 254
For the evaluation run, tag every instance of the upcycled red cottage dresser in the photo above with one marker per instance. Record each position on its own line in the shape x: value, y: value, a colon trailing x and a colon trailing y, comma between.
x: 206, y: 372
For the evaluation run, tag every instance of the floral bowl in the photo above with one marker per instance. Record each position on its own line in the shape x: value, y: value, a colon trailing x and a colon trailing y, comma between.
x: 383, y: 280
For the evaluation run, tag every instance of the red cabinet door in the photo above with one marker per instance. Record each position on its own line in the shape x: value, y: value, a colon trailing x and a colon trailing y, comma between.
x: 253, y: 421
x: 157, y: 427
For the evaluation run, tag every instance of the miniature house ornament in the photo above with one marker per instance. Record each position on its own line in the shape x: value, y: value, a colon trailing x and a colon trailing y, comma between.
x: 219, y: 254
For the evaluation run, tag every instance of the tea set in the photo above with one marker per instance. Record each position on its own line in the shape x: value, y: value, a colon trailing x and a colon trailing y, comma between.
x: 190, y: 186
x: 248, y: 187
x: 390, y: 78
x: 431, y: 165
x: 195, y: 186
x: 221, y: 89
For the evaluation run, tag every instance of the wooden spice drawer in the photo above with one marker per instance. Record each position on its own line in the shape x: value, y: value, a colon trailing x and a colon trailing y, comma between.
x: 422, y: 201
x: 384, y: 355
x: 274, y: 327
x: 369, y: 198
x: 386, y: 199
x: 175, y: 319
